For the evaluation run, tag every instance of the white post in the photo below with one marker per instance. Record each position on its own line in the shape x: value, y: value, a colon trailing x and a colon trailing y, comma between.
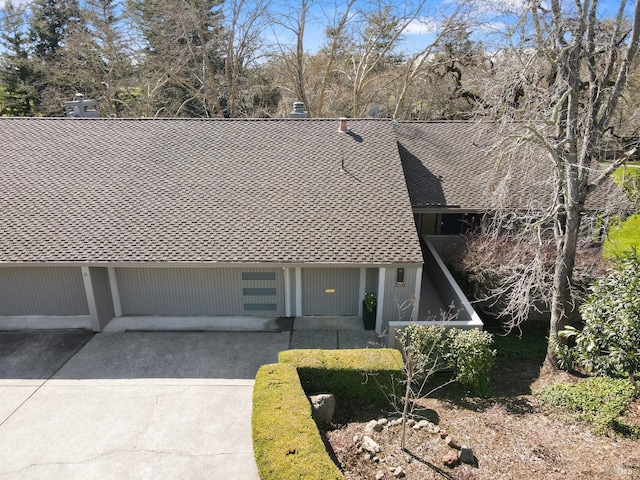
x: 91, y: 299
x: 362, y: 291
x: 298, y: 292
x: 115, y: 293
x: 416, y: 294
x: 380, y: 308
x: 287, y: 292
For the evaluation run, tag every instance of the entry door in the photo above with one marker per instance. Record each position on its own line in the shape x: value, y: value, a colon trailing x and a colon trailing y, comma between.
x: 330, y: 291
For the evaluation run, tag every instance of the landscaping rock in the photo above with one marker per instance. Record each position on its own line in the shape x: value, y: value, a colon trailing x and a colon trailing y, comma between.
x: 323, y: 407
x: 383, y: 421
x: 425, y: 424
x: 373, y: 426
x: 399, y: 472
x: 450, y: 459
x: 411, y: 422
x: 452, y: 443
x: 370, y: 445
x: 380, y: 475
x: 466, y: 456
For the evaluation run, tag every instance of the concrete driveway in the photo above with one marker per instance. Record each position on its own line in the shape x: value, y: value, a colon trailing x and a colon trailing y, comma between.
x: 157, y: 405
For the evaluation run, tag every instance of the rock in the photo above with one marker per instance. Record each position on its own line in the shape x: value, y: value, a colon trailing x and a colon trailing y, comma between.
x: 323, y: 407
x: 411, y: 422
x: 380, y: 475
x: 450, y: 459
x: 399, y: 472
x: 370, y: 445
x: 436, y: 429
x: 424, y: 424
x: 383, y: 421
x: 466, y: 456
x: 373, y: 426
x: 443, y: 434
x: 356, y: 438
x: 452, y: 443
x: 367, y: 456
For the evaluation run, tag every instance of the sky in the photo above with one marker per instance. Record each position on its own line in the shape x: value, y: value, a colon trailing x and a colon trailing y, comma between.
x: 421, y: 32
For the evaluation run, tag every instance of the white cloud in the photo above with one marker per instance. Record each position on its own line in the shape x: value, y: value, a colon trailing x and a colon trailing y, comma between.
x: 422, y: 26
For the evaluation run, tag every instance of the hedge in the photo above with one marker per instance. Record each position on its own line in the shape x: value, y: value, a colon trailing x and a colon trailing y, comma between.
x: 286, y: 440
x: 360, y: 373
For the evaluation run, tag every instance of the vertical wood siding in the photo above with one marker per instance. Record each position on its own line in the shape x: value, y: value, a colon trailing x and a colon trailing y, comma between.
x: 317, y: 301
x: 196, y: 291
x: 52, y: 291
x: 396, y: 295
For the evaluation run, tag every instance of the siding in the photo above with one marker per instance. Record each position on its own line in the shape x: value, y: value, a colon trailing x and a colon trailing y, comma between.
x: 50, y: 291
x: 396, y: 295
x: 198, y: 291
x: 317, y: 301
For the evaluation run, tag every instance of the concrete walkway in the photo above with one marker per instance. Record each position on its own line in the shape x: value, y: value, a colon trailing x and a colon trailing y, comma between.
x: 141, y: 405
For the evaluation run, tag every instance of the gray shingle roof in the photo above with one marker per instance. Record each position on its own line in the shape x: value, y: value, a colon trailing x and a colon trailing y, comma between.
x: 452, y: 164
x: 107, y: 190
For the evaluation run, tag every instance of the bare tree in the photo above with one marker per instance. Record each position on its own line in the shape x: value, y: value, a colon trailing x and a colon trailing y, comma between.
x: 570, y: 72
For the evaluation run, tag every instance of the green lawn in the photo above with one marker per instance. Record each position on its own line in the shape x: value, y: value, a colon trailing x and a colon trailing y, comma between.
x: 623, y: 237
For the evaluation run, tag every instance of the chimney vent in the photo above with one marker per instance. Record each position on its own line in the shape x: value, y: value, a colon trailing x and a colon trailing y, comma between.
x: 81, y: 108
x: 298, y: 111
x: 343, y: 125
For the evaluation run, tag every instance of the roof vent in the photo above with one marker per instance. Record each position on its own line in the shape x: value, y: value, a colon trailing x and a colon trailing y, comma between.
x: 81, y: 108
x: 343, y: 125
x: 298, y: 111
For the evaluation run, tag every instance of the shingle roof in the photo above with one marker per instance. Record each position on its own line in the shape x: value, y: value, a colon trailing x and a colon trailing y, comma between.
x: 283, y: 191
x: 453, y: 164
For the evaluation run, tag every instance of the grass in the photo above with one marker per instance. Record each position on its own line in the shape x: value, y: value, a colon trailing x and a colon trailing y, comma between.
x: 623, y: 237
x: 599, y: 401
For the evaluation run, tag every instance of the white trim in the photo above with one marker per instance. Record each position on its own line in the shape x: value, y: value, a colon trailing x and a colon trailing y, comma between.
x: 115, y: 293
x: 416, y: 294
x: 91, y: 299
x: 362, y: 291
x: 298, y: 292
x: 287, y: 292
x: 380, y: 306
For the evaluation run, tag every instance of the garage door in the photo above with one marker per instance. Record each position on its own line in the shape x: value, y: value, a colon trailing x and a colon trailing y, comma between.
x: 330, y: 291
x: 201, y: 291
x: 46, y: 291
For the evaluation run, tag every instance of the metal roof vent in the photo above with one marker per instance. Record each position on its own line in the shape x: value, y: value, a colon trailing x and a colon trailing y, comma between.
x: 81, y: 108
x: 298, y: 111
x: 343, y: 125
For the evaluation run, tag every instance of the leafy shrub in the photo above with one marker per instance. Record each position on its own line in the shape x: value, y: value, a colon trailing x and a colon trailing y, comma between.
x: 609, y: 343
x: 467, y: 353
x: 598, y: 400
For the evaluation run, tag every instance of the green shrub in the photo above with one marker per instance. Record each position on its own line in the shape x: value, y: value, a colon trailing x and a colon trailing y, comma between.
x: 467, y: 353
x: 598, y: 400
x: 286, y: 441
x: 609, y: 343
x: 360, y: 374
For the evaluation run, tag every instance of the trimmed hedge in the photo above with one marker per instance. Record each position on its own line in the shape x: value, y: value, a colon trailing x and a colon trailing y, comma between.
x: 360, y: 373
x: 286, y: 441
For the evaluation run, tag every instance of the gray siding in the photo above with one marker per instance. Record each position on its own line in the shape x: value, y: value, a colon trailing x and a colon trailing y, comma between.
x: 197, y: 291
x: 396, y: 295
x: 371, y: 285
x: 317, y: 300
x: 52, y: 291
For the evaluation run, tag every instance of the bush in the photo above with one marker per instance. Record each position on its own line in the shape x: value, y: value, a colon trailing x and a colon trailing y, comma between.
x: 467, y: 353
x: 286, y: 442
x: 597, y: 400
x: 609, y: 343
x: 347, y: 373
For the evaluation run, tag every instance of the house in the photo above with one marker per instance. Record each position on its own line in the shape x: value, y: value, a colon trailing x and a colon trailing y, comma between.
x: 254, y: 218
x: 186, y: 218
